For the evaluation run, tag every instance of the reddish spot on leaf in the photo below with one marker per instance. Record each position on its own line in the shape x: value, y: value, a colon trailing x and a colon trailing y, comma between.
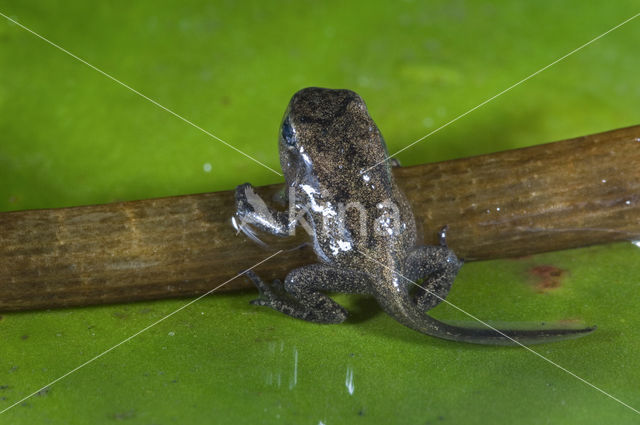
x: 547, y: 277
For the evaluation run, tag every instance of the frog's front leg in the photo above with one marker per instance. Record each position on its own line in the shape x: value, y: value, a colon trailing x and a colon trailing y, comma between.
x: 251, y: 210
x: 436, y: 267
x: 300, y: 297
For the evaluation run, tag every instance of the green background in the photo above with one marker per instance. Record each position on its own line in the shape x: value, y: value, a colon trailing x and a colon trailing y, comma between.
x: 70, y: 136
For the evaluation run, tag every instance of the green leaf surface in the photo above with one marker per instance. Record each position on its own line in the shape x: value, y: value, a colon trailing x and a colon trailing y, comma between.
x: 71, y: 136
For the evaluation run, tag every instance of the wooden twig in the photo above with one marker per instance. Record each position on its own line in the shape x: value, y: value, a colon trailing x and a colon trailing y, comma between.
x: 560, y: 195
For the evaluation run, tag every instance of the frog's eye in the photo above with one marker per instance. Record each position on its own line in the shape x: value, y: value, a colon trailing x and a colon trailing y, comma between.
x: 288, y: 134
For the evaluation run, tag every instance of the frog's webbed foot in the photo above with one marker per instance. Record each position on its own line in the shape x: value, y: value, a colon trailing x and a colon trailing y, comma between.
x: 271, y: 295
x: 323, y: 310
x: 299, y: 297
x: 433, y: 269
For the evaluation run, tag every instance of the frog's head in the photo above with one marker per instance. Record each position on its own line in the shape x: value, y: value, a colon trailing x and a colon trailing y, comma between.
x: 325, y: 132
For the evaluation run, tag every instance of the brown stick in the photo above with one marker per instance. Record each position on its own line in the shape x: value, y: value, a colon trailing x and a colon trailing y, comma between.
x: 561, y: 195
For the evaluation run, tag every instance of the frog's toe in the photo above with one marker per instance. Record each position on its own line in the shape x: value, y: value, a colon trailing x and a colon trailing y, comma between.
x: 261, y: 302
x: 334, y: 316
x: 253, y: 277
x: 260, y: 284
x: 247, y: 201
x: 271, y: 295
x: 242, y: 189
x: 242, y: 226
x: 268, y: 297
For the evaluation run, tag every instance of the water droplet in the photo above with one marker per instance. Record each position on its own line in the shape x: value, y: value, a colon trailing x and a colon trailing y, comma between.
x: 349, y: 380
x: 206, y: 167
x: 172, y: 333
x: 295, y: 369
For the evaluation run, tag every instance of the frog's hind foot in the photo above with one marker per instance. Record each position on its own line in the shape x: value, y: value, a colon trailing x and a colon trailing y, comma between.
x: 275, y: 296
x: 268, y: 293
x: 432, y: 269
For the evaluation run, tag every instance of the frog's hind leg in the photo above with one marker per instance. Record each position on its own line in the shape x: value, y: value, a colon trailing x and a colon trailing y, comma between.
x: 433, y: 269
x: 437, y: 266
x: 300, y: 296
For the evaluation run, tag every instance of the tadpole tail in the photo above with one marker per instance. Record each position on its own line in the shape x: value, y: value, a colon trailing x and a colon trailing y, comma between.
x: 507, y: 334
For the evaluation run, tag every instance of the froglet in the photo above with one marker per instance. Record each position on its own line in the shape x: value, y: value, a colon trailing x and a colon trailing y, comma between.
x: 340, y: 189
